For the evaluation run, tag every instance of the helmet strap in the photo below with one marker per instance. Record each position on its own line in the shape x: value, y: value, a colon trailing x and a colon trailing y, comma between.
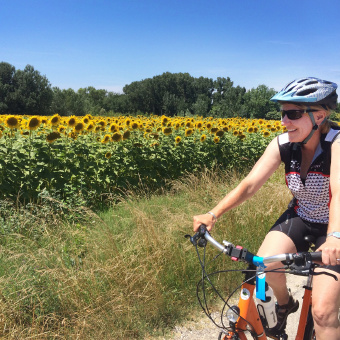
x: 314, y: 128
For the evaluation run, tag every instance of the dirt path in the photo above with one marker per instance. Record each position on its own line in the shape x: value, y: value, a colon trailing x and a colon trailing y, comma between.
x: 201, y: 328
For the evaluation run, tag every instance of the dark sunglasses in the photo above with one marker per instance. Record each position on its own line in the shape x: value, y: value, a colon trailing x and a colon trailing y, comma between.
x: 294, y: 114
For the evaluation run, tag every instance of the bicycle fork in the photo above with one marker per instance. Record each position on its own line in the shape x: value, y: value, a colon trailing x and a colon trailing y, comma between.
x: 248, y: 316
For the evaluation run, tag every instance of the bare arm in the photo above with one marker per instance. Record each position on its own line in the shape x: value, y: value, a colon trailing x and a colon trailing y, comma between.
x: 261, y: 171
x: 331, y: 248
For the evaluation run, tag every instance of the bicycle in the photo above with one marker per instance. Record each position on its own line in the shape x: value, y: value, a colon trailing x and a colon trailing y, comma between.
x: 246, y: 317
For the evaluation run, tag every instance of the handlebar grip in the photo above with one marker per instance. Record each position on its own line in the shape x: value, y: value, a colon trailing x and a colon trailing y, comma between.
x: 316, y: 256
x: 202, y: 229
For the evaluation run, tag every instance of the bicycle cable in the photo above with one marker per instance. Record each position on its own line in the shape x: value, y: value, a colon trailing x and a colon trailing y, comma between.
x: 204, y: 305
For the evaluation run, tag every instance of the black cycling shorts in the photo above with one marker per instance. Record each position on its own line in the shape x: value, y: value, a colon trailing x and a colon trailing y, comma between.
x: 296, y: 229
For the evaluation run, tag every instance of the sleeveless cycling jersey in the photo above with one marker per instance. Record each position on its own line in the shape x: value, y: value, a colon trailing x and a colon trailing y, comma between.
x: 311, y: 196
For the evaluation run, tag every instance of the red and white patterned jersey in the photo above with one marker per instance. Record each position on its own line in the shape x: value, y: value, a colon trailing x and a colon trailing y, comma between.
x: 312, y: 195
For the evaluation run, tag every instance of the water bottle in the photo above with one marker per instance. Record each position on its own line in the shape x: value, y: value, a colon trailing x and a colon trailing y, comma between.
x: 267, y: 308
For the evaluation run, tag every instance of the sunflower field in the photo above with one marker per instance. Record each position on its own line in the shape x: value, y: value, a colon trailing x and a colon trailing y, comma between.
x: 96, y: 158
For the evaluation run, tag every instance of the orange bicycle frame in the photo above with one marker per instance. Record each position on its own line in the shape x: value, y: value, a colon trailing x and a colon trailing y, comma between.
x: 248, y: 315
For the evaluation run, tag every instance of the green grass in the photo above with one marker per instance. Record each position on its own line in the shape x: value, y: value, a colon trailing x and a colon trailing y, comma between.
x: 128, y: 272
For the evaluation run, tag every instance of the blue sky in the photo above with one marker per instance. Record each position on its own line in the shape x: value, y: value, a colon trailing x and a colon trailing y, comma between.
x: 108, y: 44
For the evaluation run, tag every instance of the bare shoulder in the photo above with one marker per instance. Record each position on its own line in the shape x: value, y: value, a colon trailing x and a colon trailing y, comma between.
x: 336, y: 147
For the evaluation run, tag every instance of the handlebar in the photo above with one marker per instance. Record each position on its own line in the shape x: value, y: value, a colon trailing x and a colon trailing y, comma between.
x: 238, y: 253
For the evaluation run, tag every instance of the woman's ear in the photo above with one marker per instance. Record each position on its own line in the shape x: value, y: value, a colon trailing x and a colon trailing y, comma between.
x: 320, y: 116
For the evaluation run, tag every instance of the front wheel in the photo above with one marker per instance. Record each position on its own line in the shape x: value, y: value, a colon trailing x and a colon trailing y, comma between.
x: 309, y: 330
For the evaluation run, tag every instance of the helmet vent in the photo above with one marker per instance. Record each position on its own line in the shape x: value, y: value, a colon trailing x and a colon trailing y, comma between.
x: 306, y: 92
x: 311, y: 82
x: 291, y: 88
x: 302, y: 80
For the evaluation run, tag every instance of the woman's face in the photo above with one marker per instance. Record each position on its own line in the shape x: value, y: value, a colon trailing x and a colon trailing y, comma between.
x: 299, y: 129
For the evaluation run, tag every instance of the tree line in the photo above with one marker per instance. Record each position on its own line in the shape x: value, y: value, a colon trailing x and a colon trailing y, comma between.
x: 28, y: 92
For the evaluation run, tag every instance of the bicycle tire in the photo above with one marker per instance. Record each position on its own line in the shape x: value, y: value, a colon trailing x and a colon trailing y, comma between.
x: 309, y: 330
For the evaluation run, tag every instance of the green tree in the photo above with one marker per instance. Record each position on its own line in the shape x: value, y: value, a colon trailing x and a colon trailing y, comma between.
x: 32, y: 93
x: 169, y: 93
x: 227, y: 99
x: 117, y: 103
x: 7, y: 72
x: 202, y: 105
x: 257, y: 102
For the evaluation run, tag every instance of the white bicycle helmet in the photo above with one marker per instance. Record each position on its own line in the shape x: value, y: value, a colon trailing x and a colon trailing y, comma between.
x: 309, y: 90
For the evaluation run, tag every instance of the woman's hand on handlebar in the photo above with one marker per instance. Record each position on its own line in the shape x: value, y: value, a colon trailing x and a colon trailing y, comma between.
x: 330, y: 251
x: 205, y: 219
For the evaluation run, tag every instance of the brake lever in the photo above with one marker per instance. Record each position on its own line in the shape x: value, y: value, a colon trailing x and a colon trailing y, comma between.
x: 326, y: 273
x: 198, y: 238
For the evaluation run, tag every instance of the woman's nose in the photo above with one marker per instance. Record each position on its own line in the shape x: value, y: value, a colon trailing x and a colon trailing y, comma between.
x: 284, y: 120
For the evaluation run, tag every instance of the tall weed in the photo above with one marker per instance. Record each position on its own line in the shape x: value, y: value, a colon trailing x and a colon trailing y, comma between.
x: 128, y: 272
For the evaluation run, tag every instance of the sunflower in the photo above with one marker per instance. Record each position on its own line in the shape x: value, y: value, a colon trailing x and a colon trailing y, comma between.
x: 72, y: 135
x: 199, y: 125
x: 214, y: 130
x: 216, y: 139
x: 51, y: 137
x: 61, y: 128
x: 126, y: 135
x: 219, y: 133
x: 79, y: 127
x: 33, y: 123
x: 177, y: 125
x: 72, y: 121
x: 241, y: 136
x: 203, y: 138
x: 154, y: 135
x: 116, y: 137
x: 106, y: 139
x: 188, y: 132
x: 1, y: 133
x: 85, y: 120
x: 178, y: 139
x: 266, y: 133
x: 12, y: 122
x: 250, y: 129
x: 235, y: 132
x: 134, y: 126
x: 167, y: 131
x: 55, y: 120
x: 90, y: 127
x: 108, y: 155
x: 102, y: 123
x: 25, y: 133
x: 164, y: 121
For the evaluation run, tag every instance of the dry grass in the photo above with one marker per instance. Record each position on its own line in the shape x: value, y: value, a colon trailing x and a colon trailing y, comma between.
x: 126, y: 273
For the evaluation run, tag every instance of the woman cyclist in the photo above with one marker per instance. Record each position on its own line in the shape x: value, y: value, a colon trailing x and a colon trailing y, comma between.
x: 310, y: 150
